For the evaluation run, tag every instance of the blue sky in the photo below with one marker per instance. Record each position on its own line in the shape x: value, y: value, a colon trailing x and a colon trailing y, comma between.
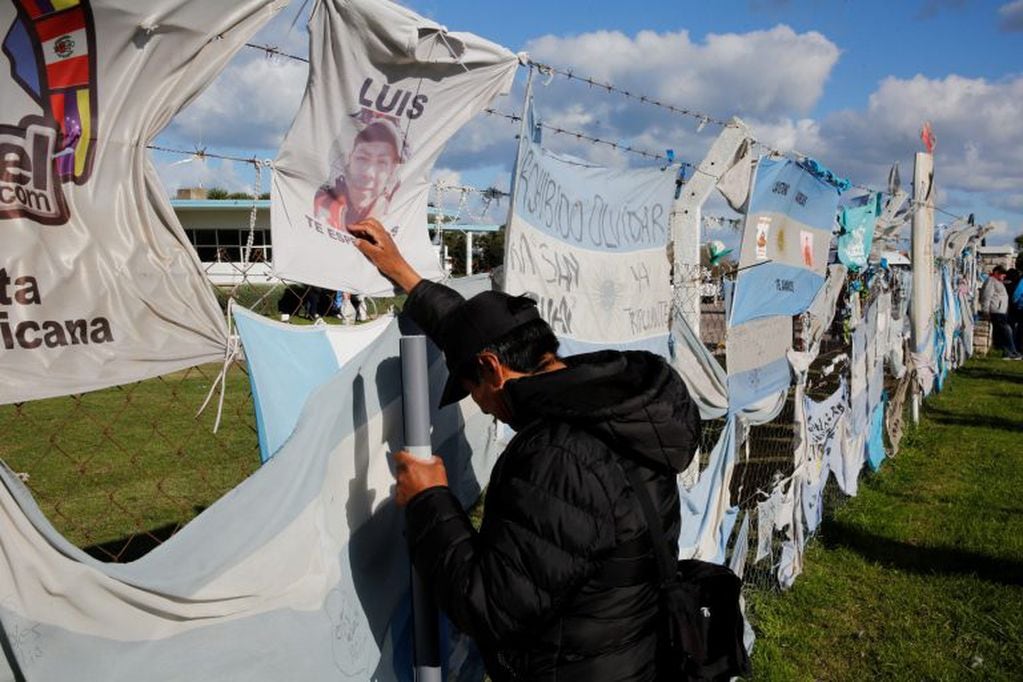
x: 849, y: 83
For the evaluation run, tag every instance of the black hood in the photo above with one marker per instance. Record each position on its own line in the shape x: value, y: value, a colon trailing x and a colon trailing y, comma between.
x: 633, y: 400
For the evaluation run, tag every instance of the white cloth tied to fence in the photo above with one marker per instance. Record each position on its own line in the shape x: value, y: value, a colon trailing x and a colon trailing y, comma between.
x: 387, y: 88
x: 98, y: 284
x: 298, y: 573
x: 589, y: 244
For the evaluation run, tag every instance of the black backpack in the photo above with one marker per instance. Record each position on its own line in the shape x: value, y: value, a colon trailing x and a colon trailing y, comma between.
x: 703, y: 635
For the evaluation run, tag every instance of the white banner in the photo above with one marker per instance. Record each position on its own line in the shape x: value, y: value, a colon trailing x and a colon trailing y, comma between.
x: 98, y: 283
x: 589, y: 244
x: 387, y: 88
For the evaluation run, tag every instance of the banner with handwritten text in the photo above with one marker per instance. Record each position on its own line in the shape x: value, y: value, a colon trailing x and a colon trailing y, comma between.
x: 589, y: 244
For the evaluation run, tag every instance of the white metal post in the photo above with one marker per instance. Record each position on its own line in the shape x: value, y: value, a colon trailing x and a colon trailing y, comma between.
x: 686, y: 214
x: 468, y: 253
x: 922, y: 303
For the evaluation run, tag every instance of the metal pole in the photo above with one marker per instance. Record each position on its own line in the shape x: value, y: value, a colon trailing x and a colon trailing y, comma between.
x: 416, y: 410
x: 468, y: 253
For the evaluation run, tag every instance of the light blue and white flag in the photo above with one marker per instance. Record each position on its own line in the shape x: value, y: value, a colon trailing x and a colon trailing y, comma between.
x: 785, y: 244
x: 589, y: 243
x: 299, y: 573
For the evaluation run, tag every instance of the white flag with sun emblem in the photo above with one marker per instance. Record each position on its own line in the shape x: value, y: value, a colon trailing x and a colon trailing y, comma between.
x: 589, y: 243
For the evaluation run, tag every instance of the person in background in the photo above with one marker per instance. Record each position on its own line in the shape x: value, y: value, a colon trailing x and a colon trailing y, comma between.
x: 994, y: 302
x: 1016, y: 303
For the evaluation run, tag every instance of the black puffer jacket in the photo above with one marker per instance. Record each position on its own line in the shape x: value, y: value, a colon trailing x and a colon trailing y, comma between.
x: 559, y: 583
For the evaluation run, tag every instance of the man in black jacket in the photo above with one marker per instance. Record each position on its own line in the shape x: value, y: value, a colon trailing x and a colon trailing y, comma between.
x: 560, y: 583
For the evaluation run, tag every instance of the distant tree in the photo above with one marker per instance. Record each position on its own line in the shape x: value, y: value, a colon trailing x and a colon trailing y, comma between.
x: 455, y: 243
x: 217, y: 193
x: 264, y: 195
x: 1019, y: 242
x: 239, y: 195
x: 491, y: 250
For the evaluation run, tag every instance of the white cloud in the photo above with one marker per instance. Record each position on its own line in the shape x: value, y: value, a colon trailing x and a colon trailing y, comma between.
x: 1011, y: 16
x: 979, y: 129
x: 191, y: 172
x: 756, y: 73
x: 250, y: 105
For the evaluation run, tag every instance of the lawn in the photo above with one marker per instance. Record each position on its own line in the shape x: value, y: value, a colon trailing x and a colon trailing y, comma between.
x: 920, y: 577
x: 132, y: 460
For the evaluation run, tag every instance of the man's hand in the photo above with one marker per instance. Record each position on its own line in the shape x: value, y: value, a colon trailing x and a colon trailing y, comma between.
x: 376, y: 244
x: 416, y: 475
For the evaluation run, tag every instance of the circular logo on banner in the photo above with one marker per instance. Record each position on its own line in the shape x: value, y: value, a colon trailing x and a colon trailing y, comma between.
x: 64, y: 47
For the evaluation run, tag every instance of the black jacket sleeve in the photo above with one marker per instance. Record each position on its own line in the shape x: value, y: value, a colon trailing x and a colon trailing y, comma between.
x: 428, y: 305
x: 548, y: 526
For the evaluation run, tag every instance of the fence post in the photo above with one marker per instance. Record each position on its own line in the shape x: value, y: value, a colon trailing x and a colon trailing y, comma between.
x: 685, y: 219
x: 416, y: 411
x: 922, y: 303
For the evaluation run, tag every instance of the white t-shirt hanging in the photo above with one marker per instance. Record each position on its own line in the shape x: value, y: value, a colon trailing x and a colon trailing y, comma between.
x: 98, y: 283
x: 387, y: 88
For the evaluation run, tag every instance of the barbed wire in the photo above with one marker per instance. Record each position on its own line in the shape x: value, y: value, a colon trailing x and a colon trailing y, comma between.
x: 201, y: 153
x: 569, y: 74
x: 589, y: 138
x: 274, y: 51
x: 704, y: 118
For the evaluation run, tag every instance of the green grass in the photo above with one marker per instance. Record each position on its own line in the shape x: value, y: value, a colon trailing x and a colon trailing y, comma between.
x: 920, y: 577
x: 107, y: 465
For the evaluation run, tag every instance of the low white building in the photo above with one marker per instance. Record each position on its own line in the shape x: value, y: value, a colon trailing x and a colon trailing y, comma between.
x: 990, y: 256
x: 219, y: 229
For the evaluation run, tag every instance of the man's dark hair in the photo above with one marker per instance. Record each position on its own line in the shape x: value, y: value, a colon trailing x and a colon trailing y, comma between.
x: 379, y: 132
x: 523, y: 349
x: 998, y: 270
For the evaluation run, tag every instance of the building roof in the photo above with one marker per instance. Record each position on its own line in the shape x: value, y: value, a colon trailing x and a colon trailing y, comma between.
x: 1004, y: 250
x: 218, y: 204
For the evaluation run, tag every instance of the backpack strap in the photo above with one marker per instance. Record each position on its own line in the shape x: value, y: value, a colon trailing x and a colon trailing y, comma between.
x: 687, y: 623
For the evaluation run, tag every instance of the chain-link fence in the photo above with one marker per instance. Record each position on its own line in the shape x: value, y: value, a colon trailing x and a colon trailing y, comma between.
x: 119, y: 471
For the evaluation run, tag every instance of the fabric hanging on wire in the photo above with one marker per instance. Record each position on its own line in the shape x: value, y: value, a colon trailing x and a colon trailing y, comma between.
x: 857, y: 223
x: 874, y: 356
x: 858, y: 415
x: 740, y: 548
x: 708, y: 516
x: 300, y: 572
x: 286, y: 363
x: 790, y: 565
x: 822, y: 432
x: 704, y: 377
x: 756, y: 356
x: 98, y: 283
x: 895, y: 415
x: 589, y: 244
x: 767, y: 513
x: 707, y: 380
x: 387, y: 88
x: 821, y: 313
x: 875, y: 439
x: 845, y: 455
x: 785, y: 243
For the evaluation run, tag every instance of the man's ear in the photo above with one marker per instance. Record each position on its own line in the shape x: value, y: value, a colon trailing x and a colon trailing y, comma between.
x: 491, y: 371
